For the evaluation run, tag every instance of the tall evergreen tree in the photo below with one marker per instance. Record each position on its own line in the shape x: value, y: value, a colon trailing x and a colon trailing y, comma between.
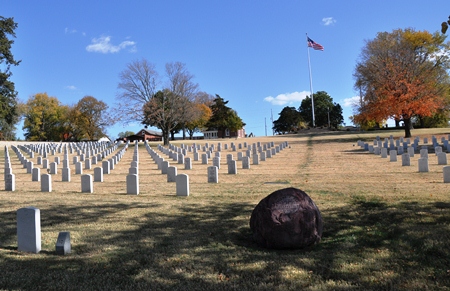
x: 223, y: 117
x: 8, y: 94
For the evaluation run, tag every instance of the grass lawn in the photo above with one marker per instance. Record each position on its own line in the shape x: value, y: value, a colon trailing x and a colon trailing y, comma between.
x: 386, y: 227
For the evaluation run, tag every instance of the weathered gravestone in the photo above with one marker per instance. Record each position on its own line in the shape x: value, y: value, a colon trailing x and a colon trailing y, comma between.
x: 213, y: 174
x: 286, y: 219
x: 62, y: 246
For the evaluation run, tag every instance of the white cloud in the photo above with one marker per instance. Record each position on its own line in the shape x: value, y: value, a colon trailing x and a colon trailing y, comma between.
x: 349, y: 102
x: 71, y: 87
x: 328, y: 21
x: 67, y: 30
x: 103, y: 45
x: 287, y: 98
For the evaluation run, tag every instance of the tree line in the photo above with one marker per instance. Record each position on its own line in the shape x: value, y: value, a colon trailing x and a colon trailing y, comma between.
x: 327, y: 114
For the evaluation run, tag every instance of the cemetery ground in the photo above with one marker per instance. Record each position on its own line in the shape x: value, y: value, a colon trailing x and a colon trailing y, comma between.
x: 386, y: 226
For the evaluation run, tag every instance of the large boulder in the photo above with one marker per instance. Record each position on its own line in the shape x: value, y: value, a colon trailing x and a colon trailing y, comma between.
x: 286, y: 219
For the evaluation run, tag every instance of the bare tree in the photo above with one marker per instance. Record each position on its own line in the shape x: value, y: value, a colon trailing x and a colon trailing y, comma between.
x: 138, y: 83
x: 184, y: 89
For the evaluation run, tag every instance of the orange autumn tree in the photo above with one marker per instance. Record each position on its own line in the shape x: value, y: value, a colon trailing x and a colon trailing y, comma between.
x: 402, y: 75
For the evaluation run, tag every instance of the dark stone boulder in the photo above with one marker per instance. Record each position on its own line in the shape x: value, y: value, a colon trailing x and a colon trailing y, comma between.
x: 286, y: 219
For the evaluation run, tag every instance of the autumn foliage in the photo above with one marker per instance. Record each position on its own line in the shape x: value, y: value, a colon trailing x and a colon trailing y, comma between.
x: 402, y: 75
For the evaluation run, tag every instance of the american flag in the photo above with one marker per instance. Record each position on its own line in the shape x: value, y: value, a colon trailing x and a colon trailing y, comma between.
x: 314, y: 45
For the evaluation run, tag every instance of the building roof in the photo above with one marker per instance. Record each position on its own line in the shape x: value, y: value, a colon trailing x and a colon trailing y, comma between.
x: 151, y: 132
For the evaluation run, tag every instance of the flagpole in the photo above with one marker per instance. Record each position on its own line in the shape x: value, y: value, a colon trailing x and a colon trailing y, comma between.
x: 310, y: 86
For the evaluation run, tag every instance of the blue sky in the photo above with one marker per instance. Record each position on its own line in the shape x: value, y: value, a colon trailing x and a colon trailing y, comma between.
x: 252, y: 53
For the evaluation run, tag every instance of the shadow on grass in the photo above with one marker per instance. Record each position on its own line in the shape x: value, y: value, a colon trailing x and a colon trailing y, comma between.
x: 367, y: 245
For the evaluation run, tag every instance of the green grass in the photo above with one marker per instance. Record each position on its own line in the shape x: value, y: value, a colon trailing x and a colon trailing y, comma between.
x: 385, y: 228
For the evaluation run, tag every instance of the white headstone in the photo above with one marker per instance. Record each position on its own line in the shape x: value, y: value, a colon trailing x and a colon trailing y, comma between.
x: 98, y: 174
x: 87, y: 185
x: 406, y: 161
x: 216, y: 162
x: 53, y: 168
x: 246, y: 163
x: 204, y: 159
x: 182, y: 185
x: 446, y: 172
x: 106, y: 168
x: 29, y: 167
x: 232, y: 167
x: 187, y: 164
x: 213, y: 174
x: 78, y: 168
x: 442, y: 158
x: 29, y: 230
x: 87, y: 164
x: 393, y: 155
x: 263, y: 156
x: 423, y: 164
x: 36, y: 174
x: 133, y: 170
x: 46, y: 183
x: 66, y: 174
x: 171, y: 174
x: 10, y: 182
x: 424, y: 153
x: 164, y: 167
x: 133, y: 184
x: 255, y: 159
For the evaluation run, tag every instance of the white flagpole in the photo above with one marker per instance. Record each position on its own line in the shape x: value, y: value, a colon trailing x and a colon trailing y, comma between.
x: 310, y: 84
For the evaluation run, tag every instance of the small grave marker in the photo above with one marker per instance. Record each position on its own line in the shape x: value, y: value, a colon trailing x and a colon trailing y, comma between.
x: 63, y: 246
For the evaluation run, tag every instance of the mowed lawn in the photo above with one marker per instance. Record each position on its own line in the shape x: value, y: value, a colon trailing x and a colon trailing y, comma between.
x: 386, y: 227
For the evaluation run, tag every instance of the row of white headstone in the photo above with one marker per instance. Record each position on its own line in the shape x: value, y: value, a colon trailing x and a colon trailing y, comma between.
x: 387, y: 147
x: 91, y: 153
x: 97, y: 151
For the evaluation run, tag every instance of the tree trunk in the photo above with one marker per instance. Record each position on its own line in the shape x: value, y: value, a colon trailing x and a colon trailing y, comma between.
x: 166, y: 138
x: 397, y: 122
x: 408, y: 127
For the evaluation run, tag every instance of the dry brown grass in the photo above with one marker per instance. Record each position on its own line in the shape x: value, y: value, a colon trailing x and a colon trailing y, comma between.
x: 386, y: 227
